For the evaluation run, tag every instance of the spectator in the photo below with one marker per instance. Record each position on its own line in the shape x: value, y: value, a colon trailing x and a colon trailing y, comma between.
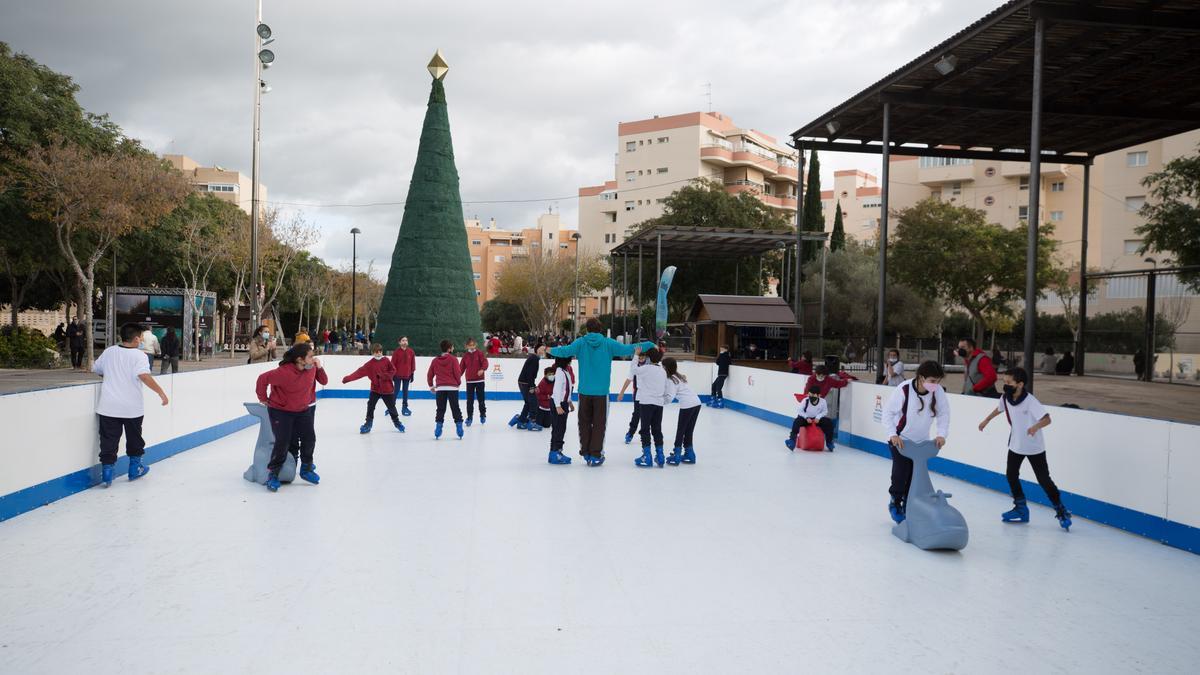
x: 979, y: 377
x: 997, y: 358
x: 802, y: 366
x: 1139, y: 363
x: 262, y: 346
x: 894, y: 369
x: 60, y: 336
x: 1066, y: 365
x: 302, y: 337
x: 149, y: 346
x: 1049, y: 361
x: 170, y: 352
x: 75, y: 337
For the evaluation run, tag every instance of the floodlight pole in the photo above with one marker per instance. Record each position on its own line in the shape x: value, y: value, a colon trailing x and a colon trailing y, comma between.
x: 881, y: 311
x: 1035, y: 185
x: 258, y: 68
x: 1080, y: 349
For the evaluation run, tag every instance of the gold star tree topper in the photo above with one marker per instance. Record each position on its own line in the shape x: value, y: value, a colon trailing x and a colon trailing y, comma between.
x: 437, y: 66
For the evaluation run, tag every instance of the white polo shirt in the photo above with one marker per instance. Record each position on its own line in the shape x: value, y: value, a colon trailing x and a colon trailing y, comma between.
x: 121, y: 389
x: 1022, y: 416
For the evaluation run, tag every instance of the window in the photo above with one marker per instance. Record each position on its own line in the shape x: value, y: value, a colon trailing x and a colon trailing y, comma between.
x: 989, y: 200
x: 629, y: 206
x: 935, y: 162
x: 1023, y: 212
x: 641, y: 142
x: 936, y: 195
x: 478, y: 292
x: 550, y: 236
x: 562, y: 245
x: 1058, y: 186
x: 1137, y: 158
x: 1135, y: 203
x: 629, y: 176
x: 1132, y: 246
x: 221, y: 188
x: 639, y: 172
x: 499, y: 259
x: 475, y: 242
x: 664, y: 139
x: 956, y: 189
x: 990, y: 171
x: 660, y: 200
x: 872, y: 202
x: 662, y: 169
x: 476, y: 258
x: 612, y: 217
x: 1024, y: 182
x: 1056, y: 215
x: 476, y: 276
x: 630, y: 146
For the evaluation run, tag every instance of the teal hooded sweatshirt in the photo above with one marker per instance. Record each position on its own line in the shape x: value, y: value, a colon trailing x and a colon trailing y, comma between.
x: 595, y: 354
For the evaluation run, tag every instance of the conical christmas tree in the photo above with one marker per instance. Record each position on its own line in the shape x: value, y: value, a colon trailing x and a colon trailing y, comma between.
x: 430, y: 294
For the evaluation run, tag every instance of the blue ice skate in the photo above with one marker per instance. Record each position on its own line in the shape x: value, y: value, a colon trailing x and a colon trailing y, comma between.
x: 896, y: 509
x: 470, y: 421
x: 658, y: 456
x: 645, y: 460
x: 458, y: 428
x: 675, y: 457
x: 1018, y: 514
x: 689, y: 456
x: 365, y: 428
x: 437, y: 431
x: 399, y: 424
x: 556, y: 457
x: 628, y: 438
x: 790, y: 443
x: 309, y: 473
x: 272, y: 481
x: 515, y: 421
x: 534, y: 426
x: 106, y: 474
x: 405, y: 411
x: 1064, y: 517
x: 482, y: 419
x: 137, y: 469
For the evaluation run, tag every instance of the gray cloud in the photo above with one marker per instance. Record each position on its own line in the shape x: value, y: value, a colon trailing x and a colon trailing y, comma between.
x: 535, y: 89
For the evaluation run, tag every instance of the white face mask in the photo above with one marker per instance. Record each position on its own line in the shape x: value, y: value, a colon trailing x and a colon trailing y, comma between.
x: 404, y: 345
x: 549, y: 378
x: 893, y: 360
x: 931, y: 387
x: 378, y: 356
x: 266, y: 335
x: 470, y: 350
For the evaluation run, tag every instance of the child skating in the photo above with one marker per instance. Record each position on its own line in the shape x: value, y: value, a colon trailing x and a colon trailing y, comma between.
x: 527, y: 384
x: 474, y: 368
x: 560, y: 409
x: 444, y: 378
x: 717, y: 398
x: 908, y: 416
x: 689, y: 412
x: 651, y: 396
x: 290, y: 394
x: 404, y: 359
x: 1026, y: 417
x: 545, y: 395
x: 123, y: 369
x: 637, y: 360
x: 382, y: 374
x: 814, y: 410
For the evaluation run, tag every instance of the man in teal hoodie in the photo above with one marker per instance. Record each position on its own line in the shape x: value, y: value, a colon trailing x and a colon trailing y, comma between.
x: 595, y: 354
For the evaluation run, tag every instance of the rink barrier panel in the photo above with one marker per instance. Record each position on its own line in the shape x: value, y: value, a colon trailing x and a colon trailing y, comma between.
x: 1153, y: 459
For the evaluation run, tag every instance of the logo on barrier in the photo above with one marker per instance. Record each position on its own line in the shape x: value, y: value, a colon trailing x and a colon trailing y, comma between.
x: 878, y: 414
x: 496, y: 374
x: 750, y: 380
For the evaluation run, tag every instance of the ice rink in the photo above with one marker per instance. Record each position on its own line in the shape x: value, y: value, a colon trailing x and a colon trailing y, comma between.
x: 424, y: 556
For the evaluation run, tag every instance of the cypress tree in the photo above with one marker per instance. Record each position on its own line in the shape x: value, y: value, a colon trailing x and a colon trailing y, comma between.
x: 814, y: 215
x: 430, y: 293
x: 837, y: 240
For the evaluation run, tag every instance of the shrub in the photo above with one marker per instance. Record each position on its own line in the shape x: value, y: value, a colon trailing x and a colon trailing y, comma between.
x: 26, y: 348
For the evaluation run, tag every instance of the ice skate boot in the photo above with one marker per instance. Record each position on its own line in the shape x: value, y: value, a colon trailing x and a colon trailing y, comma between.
x: 1064, y: 517
x: 470, y: 421
x: 896, y: 509
x: 399, y: 425
x: 458, y: 429
x: 658, y: 456
x: 645, y: 460
x: 437, y: 431
x: 365, y: 428
x: 273, y: 481
x: 556, y: 457
x: 137, y: 469
x: 309, y: 473
x: 515, y: 421
x: 106, y: 474
x: 405, y: 411
x: 790, y: 443
x: 628, y: 438
x: 1019, y: 513
x: 675, y: 457
x: 689, y: 456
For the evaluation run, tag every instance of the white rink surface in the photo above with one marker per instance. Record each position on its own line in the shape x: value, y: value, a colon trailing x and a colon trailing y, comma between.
x: 418, y: 556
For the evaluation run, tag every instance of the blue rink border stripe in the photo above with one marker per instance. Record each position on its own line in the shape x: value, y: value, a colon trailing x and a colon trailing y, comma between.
x: 1153, y: 527
x: 30, y: 498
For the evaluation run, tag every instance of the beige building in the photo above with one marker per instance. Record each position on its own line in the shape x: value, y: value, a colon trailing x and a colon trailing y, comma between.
x: 492, y: 247
x: 1001, y: 189
x: 230, y: 186
x: 657, y: 156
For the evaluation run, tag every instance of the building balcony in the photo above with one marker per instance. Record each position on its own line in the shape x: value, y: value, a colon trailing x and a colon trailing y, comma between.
x: 938, y: 175
x: 1018, y: 169
x: 775, y: 201
x: 519, y: 252
x: 717, y: 154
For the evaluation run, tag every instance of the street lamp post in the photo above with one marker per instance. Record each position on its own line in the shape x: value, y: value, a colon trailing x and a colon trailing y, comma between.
x: 575, y: 322
x: 354, y: 232
x: 263, y: 58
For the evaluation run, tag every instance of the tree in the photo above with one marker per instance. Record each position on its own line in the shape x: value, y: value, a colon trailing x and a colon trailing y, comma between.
x: 1173, y: 216
x: 1063, y: 282
x: 289, y: 236
x: 542, y: 283
x: 952, y: 253
x: 92, y: 199
x: 498, y: 316
x: 706, y: 204
x: 837, y: 240
x: 814, y: 213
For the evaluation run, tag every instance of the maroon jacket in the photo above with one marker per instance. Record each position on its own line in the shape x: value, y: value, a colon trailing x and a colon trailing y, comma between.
x: 471, y: 364
x: 444, y: 372
x: 405, y: 362
x: 545, y: 390
x: 828, y: 384
x: 292, y: 389
x: 380, y: 373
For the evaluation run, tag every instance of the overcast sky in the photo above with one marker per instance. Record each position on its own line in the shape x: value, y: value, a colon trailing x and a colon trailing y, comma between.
x: 535, y: 89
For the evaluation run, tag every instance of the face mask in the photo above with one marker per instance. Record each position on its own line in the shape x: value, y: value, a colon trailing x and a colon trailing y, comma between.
x: 814, y: 399
x: 932, y: 387
x: 470, y: 350
x: 1009, y: 390
x: 962, y: 352
x: 820, y: 378
x: 378, y: 356
x: 308, y: 366
x: 549, y: 378
x: 266, y: 335
x: 893, y: 360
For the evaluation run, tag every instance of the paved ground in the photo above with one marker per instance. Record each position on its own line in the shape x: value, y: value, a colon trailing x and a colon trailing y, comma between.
x: 1129, y: 397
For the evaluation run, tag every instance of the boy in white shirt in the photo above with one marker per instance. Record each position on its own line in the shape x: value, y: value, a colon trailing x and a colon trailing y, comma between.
x: 560, y: 408
x: 1027, y: 417
x: 150, y: 346
x: 651, y: 397
x: 814, y: 410
x: 909, y: 415
x: 124, y: 370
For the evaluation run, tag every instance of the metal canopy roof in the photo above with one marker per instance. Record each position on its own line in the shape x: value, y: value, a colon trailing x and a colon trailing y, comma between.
x: 1117, y: 73
x: 743, y: 310
x: 708, y: 242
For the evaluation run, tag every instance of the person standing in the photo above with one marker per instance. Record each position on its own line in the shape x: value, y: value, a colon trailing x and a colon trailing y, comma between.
x: 595, y: 354
x: 474, y: 368
x: 1027, y: 417
x: 381, y: 374
x: 909, y: 415
x: 632, y: 379
x: 404, y: 359
x: 814, y: 410
x: 150, y: 346
x: 979, y: 376
x: 75, y: 337
x: 560, y: 409
x: 894, y: 369
x: 262, y: 346
x: 302, y: 336
x: 444, y: 378
x: 724, y: 359
x: 290, y: 394
x: 651, y: 397
x: 123, y: 370
x: 689, y: 412
x: 518, y: 344
x: 526, y: 383
x: 171, y: 348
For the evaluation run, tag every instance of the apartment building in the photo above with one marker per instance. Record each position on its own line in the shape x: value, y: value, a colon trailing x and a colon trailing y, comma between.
x: 230, y: 186
x: 1001, y: 190
x: 657, y: 156
x: 493, y: 247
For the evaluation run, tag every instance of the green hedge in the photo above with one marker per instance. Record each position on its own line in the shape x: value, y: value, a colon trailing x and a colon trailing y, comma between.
x: 26, y: 348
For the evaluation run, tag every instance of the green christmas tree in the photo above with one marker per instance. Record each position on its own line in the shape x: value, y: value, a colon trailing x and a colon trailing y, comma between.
x: 814, y: 214
x: 430, y: 293
x: 837, y: 240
